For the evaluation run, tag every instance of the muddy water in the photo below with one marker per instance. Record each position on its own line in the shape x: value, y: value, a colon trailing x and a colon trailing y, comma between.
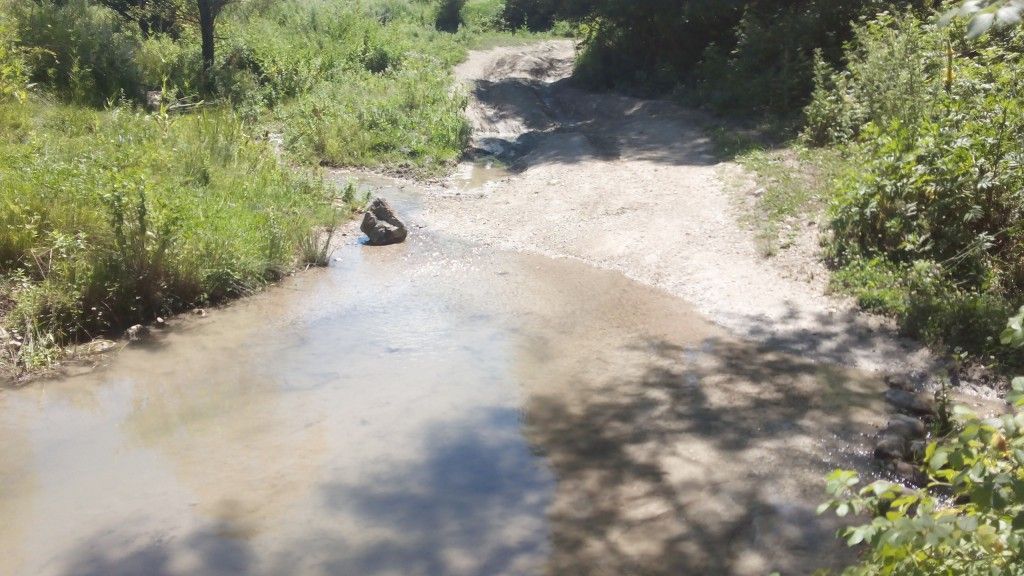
x: 430, y: 408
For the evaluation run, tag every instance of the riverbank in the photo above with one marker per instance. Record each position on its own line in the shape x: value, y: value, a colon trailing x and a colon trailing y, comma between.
x: 124, y: 209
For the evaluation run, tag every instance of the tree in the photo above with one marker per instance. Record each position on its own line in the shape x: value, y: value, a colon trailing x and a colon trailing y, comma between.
x: 152, y: 16
x: 168, y: 16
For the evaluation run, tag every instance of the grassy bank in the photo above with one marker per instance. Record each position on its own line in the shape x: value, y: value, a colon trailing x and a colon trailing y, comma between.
x: 115, y: 213
x: 112, y: 218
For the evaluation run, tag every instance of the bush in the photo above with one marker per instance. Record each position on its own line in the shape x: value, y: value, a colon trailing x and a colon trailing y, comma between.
x: 372, y: 85
x: 483, y: 15
x: 13, y: 68
x: 741, y: 56
x: 89, y: 55
x: 895, y: 71
x: 941, y: 183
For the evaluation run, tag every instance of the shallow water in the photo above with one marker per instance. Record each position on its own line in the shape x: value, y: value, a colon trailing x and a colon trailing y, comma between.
x: 430, y: 408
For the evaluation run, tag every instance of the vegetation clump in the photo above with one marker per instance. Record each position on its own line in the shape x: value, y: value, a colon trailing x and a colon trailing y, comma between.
x: 929, y: 227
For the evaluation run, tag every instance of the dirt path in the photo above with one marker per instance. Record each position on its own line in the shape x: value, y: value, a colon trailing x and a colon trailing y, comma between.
x: 634, y: 186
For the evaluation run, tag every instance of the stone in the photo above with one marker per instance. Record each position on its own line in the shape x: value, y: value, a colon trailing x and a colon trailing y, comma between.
x: 137, y: 333
x: 917, y: 449
x: 98, y: 346
x: 899, y: 382
x: 911, y: 474
x: 382, y: 226
x: 910, y: 403
x: 906, y: 427
x: 891, y: 447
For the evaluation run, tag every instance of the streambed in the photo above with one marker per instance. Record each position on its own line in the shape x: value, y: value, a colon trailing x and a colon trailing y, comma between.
x: 432, y: 408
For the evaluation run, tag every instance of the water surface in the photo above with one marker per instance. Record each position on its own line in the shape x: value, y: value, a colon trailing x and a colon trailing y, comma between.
x: 430, y: 408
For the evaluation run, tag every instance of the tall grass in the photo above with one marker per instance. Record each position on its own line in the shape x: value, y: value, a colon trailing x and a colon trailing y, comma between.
x: 348, y: 83
x: 114, y: 217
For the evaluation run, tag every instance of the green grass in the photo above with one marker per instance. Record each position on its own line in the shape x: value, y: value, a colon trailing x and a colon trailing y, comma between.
x: 111, y: 218
x: 793, y: 184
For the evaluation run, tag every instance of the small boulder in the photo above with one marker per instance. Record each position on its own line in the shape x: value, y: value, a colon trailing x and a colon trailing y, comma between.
x: 382, y: 226
x: 98, y: 346
x: 906, y: 427
x: 899, y: 382
x: 137, y: 333
x: 154, y: 99
x: 891, y: 447
x: 910, y: 403
x: 909, y: 474
x: 917, y: 450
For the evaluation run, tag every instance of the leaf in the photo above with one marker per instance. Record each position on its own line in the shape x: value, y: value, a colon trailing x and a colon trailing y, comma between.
x: 939, y: 459
x: 967, y: 523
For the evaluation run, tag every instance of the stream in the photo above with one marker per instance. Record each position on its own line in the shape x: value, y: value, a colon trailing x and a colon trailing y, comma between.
x: 435, y: 407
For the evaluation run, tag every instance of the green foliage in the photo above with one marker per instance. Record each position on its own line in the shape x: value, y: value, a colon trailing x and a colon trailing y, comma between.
x: 969, y: 521
x: 1013, y: 335
x: 411, y: 116
x: 894, y: 71
x: 13, y: 68
x: 936, y: 127
x: 737, y: 55
x: 89, y: 55
x: 346, y: 82
x: 483, y: 15
x: 111, y: 218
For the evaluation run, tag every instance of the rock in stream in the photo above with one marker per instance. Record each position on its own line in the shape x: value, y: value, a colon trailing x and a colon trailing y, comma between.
x: 381, y: 225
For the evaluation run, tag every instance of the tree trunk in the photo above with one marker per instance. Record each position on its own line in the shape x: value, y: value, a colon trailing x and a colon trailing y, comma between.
x: 206, y: 18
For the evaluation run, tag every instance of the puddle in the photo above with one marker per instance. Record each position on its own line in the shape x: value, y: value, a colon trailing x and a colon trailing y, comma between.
x: 430, y: 408
x: 479, y: 175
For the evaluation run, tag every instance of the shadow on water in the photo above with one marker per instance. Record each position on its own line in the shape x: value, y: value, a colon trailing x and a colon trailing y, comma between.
x: 435, y: 409
x: 713, y: 468
x: 707, y: 461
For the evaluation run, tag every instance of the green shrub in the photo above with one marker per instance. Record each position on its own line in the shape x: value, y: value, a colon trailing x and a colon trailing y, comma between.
x: 738, y: 56
x: 410, y: 115
x: 13, y: 68
x: 483, y: 15
x: 895, y: 71
x: 89, y: 55
x: 940, y: 184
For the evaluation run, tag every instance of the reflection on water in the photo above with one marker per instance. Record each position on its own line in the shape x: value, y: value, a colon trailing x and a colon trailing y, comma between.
x: 428, y: 408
